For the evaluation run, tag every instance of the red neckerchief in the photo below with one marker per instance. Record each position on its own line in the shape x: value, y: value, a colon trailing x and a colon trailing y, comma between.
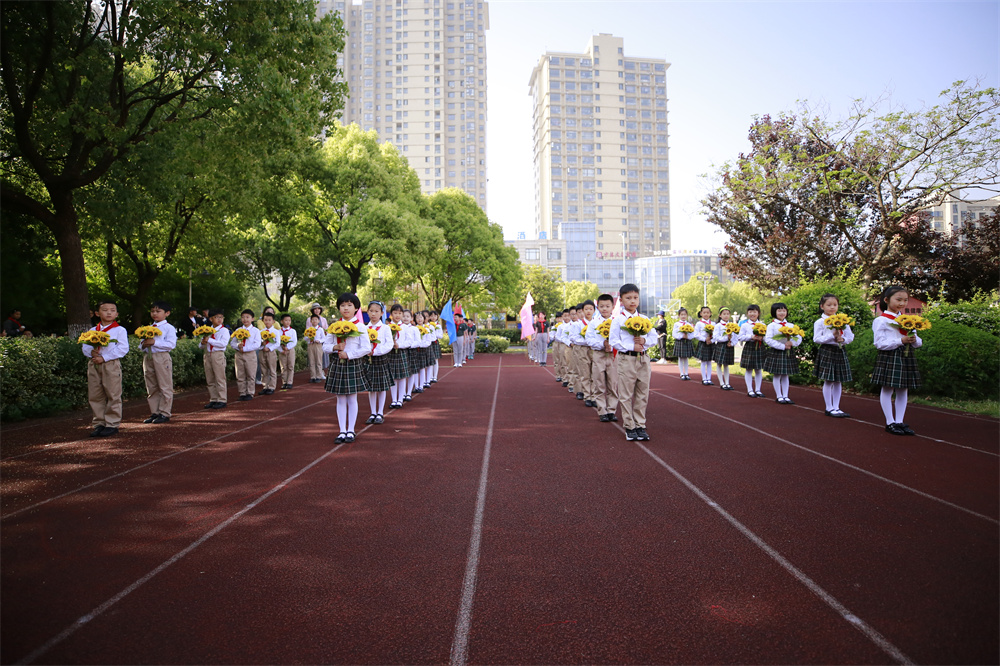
x: 705, y: 322
x: 216, y: 332
x: 112, y: 325
x: 779, y: 323
x: 15, y: 321
x: 889, y: 316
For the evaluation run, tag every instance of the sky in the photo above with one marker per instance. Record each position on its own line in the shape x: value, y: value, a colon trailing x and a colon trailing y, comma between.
x: 729, y: 62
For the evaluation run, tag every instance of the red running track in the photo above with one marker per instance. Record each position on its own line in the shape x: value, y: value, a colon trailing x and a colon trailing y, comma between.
x: 495, y: 520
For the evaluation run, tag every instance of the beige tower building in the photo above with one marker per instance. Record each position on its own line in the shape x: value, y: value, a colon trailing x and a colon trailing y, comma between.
x: 600, y: 158
x: 416, y: 70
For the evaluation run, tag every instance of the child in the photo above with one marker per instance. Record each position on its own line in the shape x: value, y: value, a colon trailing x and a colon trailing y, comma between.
x: 780, y: 361
x: 895, y: 366
x: 470, y: 339
x: 604, y: 374
x: 542, y: 340
x: 398, y: 361
x: 104, y: 372
x: 570, y: 378
x: 420, y: 355
x: 435, y: 345
x: 214, y: 360
x: 558, y: 346
x: 157, y: 366
x: 582, y: 353
x: 703, y: 332
x: 661, y: 336
x: 412, y: 338
x: 347, y: 375
x: 246, y: 354
x: 458, y: 344
x: 724, y: 354
x: 634, y: 369
x: 832, y: 365
x: 530, y: 345
x: 269, y: 354
x: 379, y: 375
x: 314, y: 350
x: 752, y: 356
x: 286, y: 351
x: 683, y: 347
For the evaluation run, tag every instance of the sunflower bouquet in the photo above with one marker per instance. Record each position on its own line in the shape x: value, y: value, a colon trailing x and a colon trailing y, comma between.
x: 150, y: 332
x: 203, y: 332
x: 267, y: 336
x: 732, y: 328
x: 686, y: 328
x: 760, y: 328
x: 372, y: 336
x: 310, y: 333
x: 637, y: 325
x: 909, y: 323
x: 789, y: 331
x: 838, y: 322
x: 94, y: 338
x: 423, y: 329
x: 241, y: 334
x: 583, y: 331
x: 604, y: 328
x: 709, y: 330
x: 285, y: 339
x: 395, y: 328
x: 343, y: 329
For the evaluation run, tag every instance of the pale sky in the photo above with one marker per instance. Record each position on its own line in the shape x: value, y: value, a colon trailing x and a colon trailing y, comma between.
x: 729, y: 61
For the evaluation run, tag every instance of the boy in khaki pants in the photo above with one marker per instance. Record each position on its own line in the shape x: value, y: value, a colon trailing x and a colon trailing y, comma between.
x: 104, y: 373
x: 246, y: 354
x: 157, y: 366
x: 215, y: 360
x: 604, y: 372
x: 633, y: 365
x: 286, y: 351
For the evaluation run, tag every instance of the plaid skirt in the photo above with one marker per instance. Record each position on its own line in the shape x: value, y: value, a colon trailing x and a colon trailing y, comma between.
x: 895, y: 369
x: 435, y: 351
x: 752, y: 356
x: 832, y: 364
x: 398, y: 364
x: 377, y: 371
x: 415, y: 357
x: 347, y: 376
x: 705, y: 351
x: 724, y: 354
x: 683, y: 348
x: 781, y: 362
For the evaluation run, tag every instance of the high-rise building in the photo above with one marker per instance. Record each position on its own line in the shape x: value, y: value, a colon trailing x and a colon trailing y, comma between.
x: 416, y: 70
x: 954, y: 216
x: 600, y: 158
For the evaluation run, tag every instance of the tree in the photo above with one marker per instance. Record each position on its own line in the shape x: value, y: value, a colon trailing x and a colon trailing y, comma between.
x: 733, y: 295
x: 472, y: 261
x: 545, y: 286
x: 812, y: 196
x: 970, y: 261
x: 86, y: 82
x: 578, y: 291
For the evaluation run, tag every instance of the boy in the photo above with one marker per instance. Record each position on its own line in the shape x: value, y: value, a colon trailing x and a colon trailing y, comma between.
x: 604, y: 375
x: 269, y: 355
x: 104, y: 373
x: 314, y: 348
x: 582, y: 353
x: 569, y: 378
x: 458, y: 344
x: 633, y: 365
x: 557, y: 346
x: 246, y: 355
x: 287, y: 352
x: 470, y: 340
x: 157, y: 366
x: 541, y: 340
x: 215, y: 360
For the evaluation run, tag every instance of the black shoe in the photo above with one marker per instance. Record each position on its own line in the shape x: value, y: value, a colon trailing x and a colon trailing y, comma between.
x: 759, y: 394
x: 434, y: 381
x: 589, y: 403
x: 370, y: 420
x: 379, y: 419
x: 840, y: 415
x: 395, y: 405
x: 780, y: 401
x: 630, y: 435
x: 605, y: 419
x: 907, y: 430
x: 895, y: 429
x: 789, y: 401
x: 267, y: 392
x: 542, y: 364
x: 418, y: 390
x: 249, y: 396
x: 559, y: 380
x: 349, y: 437
x: 685, y: 378
x: 219, y: 405
x: 707, y: 382
x: 96, y: 432
x: 340, y: 438
x: 151, y: 418
x: 641, y: 435
x: 565, y: 383
x: 828, y: 412
x: 408, y: 399
x: 161, y: 419
x: 244, y: 398
x: 208, y: 405
x: 108, y: 432
x: 751, y: 394
x: 613, y: 418
x: 579, y: 396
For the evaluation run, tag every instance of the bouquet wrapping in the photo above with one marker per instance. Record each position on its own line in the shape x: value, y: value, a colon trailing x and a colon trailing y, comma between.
x: 149, y: 332
x: 760, y: 328
x: 285, y: 339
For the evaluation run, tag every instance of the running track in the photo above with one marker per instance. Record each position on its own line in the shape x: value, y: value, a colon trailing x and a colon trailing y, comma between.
x: 495, y: 520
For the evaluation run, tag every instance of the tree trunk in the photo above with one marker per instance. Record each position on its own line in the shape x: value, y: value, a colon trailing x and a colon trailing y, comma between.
x: 141, y: 301
x: 66, y: 229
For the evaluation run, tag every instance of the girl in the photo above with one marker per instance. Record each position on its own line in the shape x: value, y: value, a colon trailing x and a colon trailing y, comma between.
x: 831, y: 360
x: 895, y: 366
x: 780, y: 361
x: 421, y: 355
x: 378, y: 373
x: 412, y: 354
x: 683, y: 348
x: 436, y: 346
x: 752, y: 356
x: 724, y: 354
x: 705, y: 349
x: 398, y: 361
x: 347, y: 375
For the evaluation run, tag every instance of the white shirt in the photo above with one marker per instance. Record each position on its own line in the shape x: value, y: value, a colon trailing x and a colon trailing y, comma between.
x: 384, y: 345
x: 888, y: 337
x: 118, y: 346
x: 772, y: 330
x: 594, y: 339
x: 699, y: 330
x: 677, y: 330
x: 718, y: 335
x: 746, y: 331
x: 823, y: 335
x: 252, y: 343
x: 621, y: 340
x: 320, y: 336
x: 165, y: 342
x: 355, y: 347
x: 271, y: 346
x: 218, y: 340
x: 290, y: 332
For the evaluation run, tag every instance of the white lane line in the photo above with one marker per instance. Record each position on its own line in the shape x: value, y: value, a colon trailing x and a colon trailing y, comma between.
x: 874, y: 636
x: 460, y: 642
x: 835, y: 460
x: 84, y: 619
x: 158, y: 460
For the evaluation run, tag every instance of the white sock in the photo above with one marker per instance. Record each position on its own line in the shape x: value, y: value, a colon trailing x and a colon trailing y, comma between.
x: 785, y: 379
x: 885, y: 398
x: 400, y: 390
x: 410, y: 383
x: 683, y: 363
x: 760, y: 379
x: 437, y: 366
x: 777, y: 386
x: 423, y: 377
x: 828, y: 395
x: 725, y: 375
x: 706, y: 371
x: 380, y: 401
x: 901, y: 395
x: 352, y: 411
x: 394, y: 390
x: 835, y: 395
x: 342, y: 412
x: 748, y: 378
x: 371, y: 402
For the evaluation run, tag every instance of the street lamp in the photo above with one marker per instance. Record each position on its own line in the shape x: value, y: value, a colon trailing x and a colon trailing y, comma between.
x: 704, y: 278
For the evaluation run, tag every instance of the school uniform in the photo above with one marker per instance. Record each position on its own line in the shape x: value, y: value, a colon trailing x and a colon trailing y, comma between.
x: 603, y: 371
x: 780, y: 361
x: 398, y: 362
x: 582, y: 357
x: 214, y: 361
x: 724, y: 354
x: 634, y: 371
x: 158, y: 370
x: 424, y: 349
x: 377, y: 365
x: 894, y: 367
x: 470, y: 342
x: 246, y: 359
x: 458, y: 344
x: 542, y: 342
x: 347, y: 376
x: 436, y: 342
x: 104, y: 380
x: 754, y: 351
x: 683, y: 347
x: 269, y: 359
x: 705, y: 350
x: 287, y: 355
x: 314, y: 350
x: 831, y: 359
x: 557, y: 349
x: 566, y: 331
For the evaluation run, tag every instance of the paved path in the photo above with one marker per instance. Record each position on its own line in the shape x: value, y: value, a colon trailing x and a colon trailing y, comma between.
x: 495, y: 520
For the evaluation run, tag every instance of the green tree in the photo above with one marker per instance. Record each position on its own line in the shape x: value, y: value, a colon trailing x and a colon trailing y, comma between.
x: 578, y: 291
x: 733, y: 295
x: 86, y: 82
x: 545, y: 286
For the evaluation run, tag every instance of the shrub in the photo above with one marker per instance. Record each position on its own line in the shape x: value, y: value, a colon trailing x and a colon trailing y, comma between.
x: 492, y: 344
x: 981, y: 311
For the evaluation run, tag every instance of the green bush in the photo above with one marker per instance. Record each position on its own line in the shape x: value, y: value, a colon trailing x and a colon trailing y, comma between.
x: 981, y: 311
x: 492, y: 344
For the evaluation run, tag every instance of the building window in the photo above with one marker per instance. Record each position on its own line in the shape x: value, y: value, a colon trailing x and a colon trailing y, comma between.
x: 531, y: 254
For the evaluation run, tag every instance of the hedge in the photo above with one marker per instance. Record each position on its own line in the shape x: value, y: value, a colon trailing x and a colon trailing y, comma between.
x: 485, y: 344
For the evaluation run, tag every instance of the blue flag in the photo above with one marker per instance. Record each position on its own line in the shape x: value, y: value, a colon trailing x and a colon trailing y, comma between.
x: 448, y: 315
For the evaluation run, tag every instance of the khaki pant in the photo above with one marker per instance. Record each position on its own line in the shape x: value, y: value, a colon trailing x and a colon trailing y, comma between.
x: 633, y: 388
x: 246, y: 371
x: 581, y: 370
x: 215, y: 375
x: 158, y: 371
x: 104, y: 392
x: 268, y: 368
x: 287, y: 366
x: 569, y: 362
x: 557, y: 358
x: 315, y: 352
x: 604, y: 380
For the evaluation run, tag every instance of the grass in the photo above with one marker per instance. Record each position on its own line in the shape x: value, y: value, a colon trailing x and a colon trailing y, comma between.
x: 984, y: 407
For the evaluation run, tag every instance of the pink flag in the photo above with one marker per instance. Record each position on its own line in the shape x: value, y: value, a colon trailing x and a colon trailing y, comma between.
x: 527, y: 327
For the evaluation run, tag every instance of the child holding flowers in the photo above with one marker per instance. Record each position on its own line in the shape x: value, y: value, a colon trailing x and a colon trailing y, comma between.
x: 246, y: 341
x: 780, y: 360
x: 315, y: 334
x: 604, y: 374
x: 724, y: 354
x: 752, y: 334
x: 214, y: 340
x: 632, y: 334
x: 895, y: 367
x: 348, y: 342
x: 289, y: 338
x: 398, y: 361
x: 831, y: 332
x: 683, y: 347
x: 582, y: 353
x: 157, y: 366
x: 377, y: 366
x: 704, y: 331
x: 270, y: 341
x: 104, y: 345
x: 435, y: 321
